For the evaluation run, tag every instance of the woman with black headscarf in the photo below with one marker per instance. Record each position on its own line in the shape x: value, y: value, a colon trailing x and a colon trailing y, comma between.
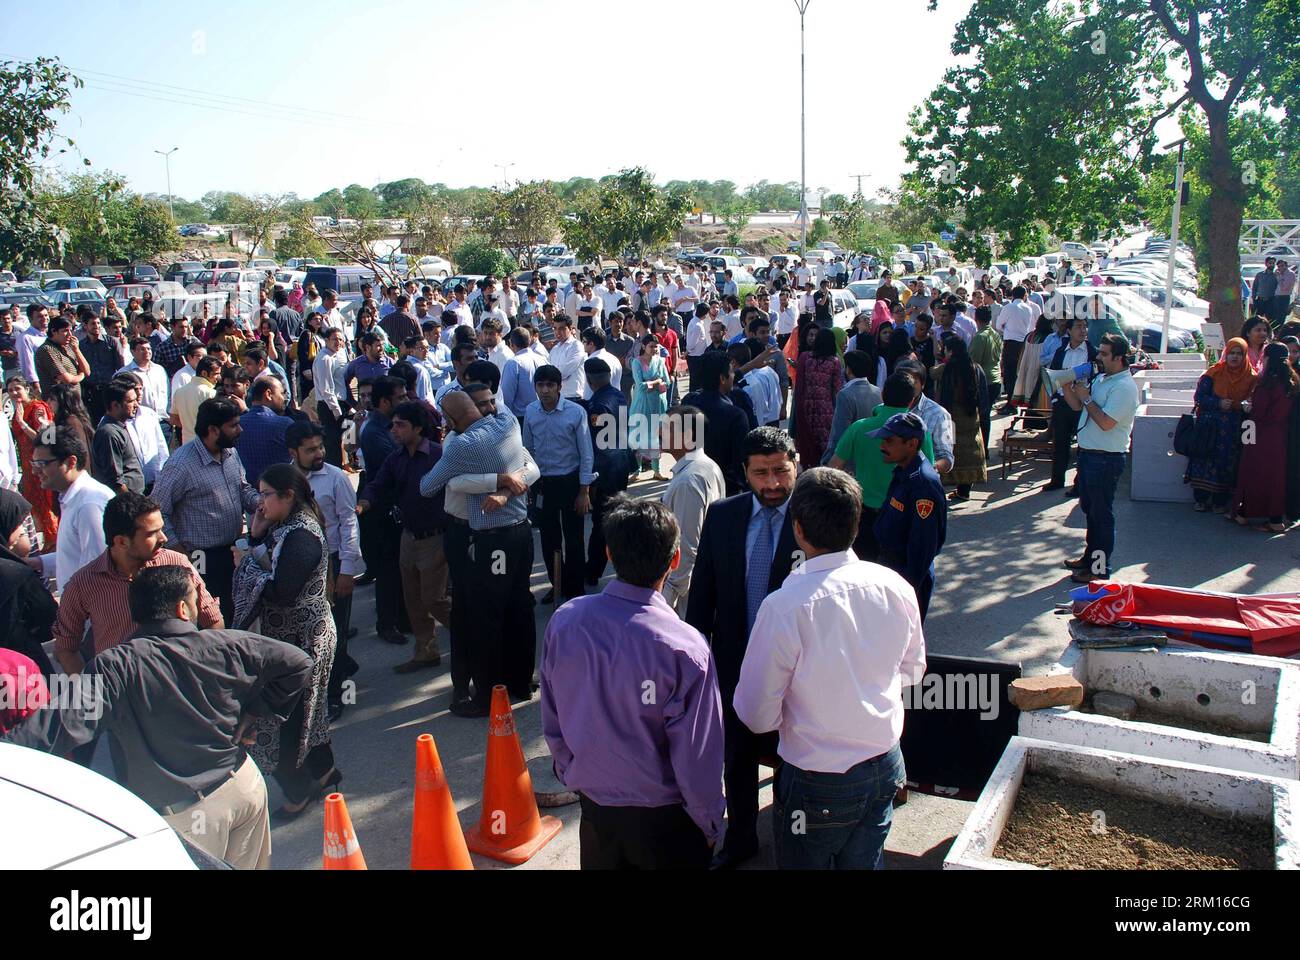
x: 27, y: 611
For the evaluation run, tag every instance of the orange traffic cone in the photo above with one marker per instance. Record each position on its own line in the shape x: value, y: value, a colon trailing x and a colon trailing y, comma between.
x: 510, y: 828
x: 437, y: 842
x: 342, y: 852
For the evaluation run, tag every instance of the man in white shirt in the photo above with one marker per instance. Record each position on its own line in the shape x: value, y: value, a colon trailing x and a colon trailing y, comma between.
x: 697, y: 482
x: 683, y: 298
x: 568, y: 357
x: 82, y: 499
x: 826, y: 664
x: 151, y: 374
x: 697, y: 339
x: 760, y: 383
x: 328, y: 373
x: 593, y: 343
x: 786, y: 317
x: 491, y: 338
x: 30, y: 340
x: 609, y: 295
x: 802, y: 274
x: 194, y: 352
x: 460, y: 307
x: 1015, y: 322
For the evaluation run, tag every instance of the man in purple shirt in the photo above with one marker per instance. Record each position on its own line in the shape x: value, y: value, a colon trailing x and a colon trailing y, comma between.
x: 631, y: 708
x: 371, y: 364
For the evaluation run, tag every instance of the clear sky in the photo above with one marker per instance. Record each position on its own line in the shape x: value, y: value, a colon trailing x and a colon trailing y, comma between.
x: 263, y: 97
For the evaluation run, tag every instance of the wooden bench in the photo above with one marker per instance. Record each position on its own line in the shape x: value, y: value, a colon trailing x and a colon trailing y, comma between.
x: 1022, y: 442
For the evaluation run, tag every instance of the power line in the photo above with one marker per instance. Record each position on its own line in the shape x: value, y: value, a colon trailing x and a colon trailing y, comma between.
x: 231, y: 99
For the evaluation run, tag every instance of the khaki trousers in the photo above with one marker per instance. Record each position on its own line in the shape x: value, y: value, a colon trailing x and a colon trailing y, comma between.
x: 232, y: 821
x: 423, y: 565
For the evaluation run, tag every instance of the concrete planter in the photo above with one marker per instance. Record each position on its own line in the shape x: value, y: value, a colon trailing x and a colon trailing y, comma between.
x: 1206, y: 789
x: 1158, y: 469
x: 1245, y: 692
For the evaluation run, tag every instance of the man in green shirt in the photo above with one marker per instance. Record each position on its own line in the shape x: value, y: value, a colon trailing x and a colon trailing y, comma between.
x: 860, y: 453
x: 986, y: 351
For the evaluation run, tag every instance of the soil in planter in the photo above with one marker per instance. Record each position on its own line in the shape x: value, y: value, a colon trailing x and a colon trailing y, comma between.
x: 1053, y: 825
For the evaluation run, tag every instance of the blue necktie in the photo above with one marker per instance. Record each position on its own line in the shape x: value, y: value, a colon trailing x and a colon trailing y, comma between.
x: 760, y: 567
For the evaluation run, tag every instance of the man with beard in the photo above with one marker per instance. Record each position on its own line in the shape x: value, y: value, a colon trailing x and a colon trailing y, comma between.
x: 724, y: 598
x: 204, y: 495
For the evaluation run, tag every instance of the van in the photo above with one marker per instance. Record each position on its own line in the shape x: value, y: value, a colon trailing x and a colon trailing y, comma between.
x: 345, y: 281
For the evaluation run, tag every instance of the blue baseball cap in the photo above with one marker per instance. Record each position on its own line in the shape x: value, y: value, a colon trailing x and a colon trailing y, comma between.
x: 907, y: 426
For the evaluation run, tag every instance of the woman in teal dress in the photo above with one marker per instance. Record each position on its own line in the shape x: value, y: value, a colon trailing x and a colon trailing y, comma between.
x: 649, y: 403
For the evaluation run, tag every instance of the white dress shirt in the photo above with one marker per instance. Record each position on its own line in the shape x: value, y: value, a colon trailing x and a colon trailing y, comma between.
x: 615, y: 371
x: 1015, y: 320
x: 785, y: 320
x: 150, y: 444
x: 183, y: 376
x: 29, y: 341
x: 697, y: 482
x: 338, y: 505
x: 827, y: 661
x: 609, y: 299
x: 499, y: 355
x: 155, y: 385
x: 763, y: 387
x: 732, y: 320
x: 568, y: 357
x: 81, y: 528
x: 9, y: 472
x: 327, y: 375
x: 697, y: 338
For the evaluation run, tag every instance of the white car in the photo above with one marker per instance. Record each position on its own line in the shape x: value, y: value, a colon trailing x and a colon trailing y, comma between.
x: 846, y: 310
x: 1187, y: 302
x: 729, y: 252
x: 74, y: 819
x: 429, y: 268
x: 287, y: 278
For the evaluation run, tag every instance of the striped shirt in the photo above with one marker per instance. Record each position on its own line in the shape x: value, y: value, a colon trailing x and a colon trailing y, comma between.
x: 97, y: 594
x: 490, y: 445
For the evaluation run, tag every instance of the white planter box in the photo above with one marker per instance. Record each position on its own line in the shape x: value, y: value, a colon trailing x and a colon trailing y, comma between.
x: 1243, y: 691
x: 1211, y: 790
x: 1193, y: 362
x: 1157, y: 470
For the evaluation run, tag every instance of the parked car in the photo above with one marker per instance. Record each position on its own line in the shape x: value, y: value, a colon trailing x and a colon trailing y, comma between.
x: 1138, y: 319
x: 95, y: 298
x: 8, y: 276
x: 427, y: 267
x: 23, y: 296
x: 300, y: 263
x: 264, y: 264
x: 1182, y: 300
x: 846, y: 309
x: 287, y: 278
x: 222, y: 263
x: 43, y: 277
x: 346, y: 281
x: 201, y: 230
x: 77, y: 819
x: 865, y: 289
x: 141, y: 273
x: 551, y: 252
x: 171, y: 296
x: 75, y: 283
x: 449, y: 284
x: 729, y: 252
x: 105, y: 274
x: 183, y: 272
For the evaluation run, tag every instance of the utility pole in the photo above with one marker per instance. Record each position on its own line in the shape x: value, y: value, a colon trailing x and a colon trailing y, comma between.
x: 503, y: 167
x: 1173, y: 245
x: 802, y: 6
x: 167, y: 161
x: 858, y: 177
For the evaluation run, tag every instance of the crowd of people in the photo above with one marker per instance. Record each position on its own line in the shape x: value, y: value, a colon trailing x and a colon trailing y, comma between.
x: 248, y: 472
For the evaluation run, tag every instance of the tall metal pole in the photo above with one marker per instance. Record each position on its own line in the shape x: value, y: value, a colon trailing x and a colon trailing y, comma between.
x: 1173, y: 248
x: 802, y: 5
x: 167, y: 162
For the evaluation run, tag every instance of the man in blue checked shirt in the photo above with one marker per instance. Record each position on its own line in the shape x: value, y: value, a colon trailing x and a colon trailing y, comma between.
x: 557, y: 436
x: 517, y: 390
x: 504, y: 632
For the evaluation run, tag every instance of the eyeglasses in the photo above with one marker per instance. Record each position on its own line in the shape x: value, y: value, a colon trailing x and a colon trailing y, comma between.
x: 42, y: 464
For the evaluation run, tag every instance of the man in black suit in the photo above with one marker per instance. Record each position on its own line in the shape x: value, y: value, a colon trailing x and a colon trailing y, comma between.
x: 746, y: 550
x: 725, y: 423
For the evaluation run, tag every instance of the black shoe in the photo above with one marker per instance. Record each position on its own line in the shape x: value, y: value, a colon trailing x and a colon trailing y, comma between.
x: 468, y: 709
x: 365, y: 580
x: 517, y: 697
x: 593, y: 581
x: 729, y: 860
x: 392, y: 635
x: 1054, y: 486
x: 411, y: 666
x: 1072, y: 493
x: 335, y: 709
x: 548, y: 597
x: 353, y: 631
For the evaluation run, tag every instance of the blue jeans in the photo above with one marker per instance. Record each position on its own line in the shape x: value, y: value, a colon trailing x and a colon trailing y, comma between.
x: 1098, y: 476
x: 836, y: 821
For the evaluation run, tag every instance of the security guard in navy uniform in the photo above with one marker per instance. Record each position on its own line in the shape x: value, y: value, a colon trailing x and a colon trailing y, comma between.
x: 913, y: 520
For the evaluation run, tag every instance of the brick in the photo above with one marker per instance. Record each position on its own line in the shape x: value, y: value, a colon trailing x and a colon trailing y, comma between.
x: 1036, y: 693
x: 1117, y: 705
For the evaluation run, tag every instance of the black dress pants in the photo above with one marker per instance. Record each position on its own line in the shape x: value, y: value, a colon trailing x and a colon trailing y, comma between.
x: 344, y: 666
x: 596, y: 559
x: 216, y: 565
x: 1065, y: 424
x: 740, y: 778
x: 455, y: 543
x: 296, y: 781
x: 504, y: 637
x: 864, y: 544
x: 379, y: 537
x: 640, y: 838
x: 333, y: 427
x: 562, y: 532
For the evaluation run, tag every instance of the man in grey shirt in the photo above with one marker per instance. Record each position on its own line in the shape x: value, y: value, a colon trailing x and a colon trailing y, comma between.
x: 178, y: 705
x: 856, y: 401
x: 114, y: 461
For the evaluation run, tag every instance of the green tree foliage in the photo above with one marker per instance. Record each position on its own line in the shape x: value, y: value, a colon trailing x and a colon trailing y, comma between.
x: 1048, y: 119
x: 221, y: 205
x: 774, y: 196
x: 331, y: 204
x: 360, y: 202
x: 628, y: 212
x: 736, y: 213
x: 402, y: 198
x: 259, y: 215
x: 103, y: 222
x: 300, y: 240
x: 519, y: 219
x: 478, y: 254
x: 31, y: 96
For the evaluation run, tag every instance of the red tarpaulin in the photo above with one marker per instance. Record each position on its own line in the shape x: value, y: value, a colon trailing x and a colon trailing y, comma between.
x: 1270, y: 622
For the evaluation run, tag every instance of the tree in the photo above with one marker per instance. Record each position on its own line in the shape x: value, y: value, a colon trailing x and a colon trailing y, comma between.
x: 31, y: 94
x: 774, y: 196
x: 834, y: 202
x: 478, y: 254
x: 103, y: 222
x: 300, y: 240
x: 222, y: 205
x: 361, y: 203
x: 359, y: 243
x: 331, y: 204
x: 627, y: 212
x: 1053, y: 122
x: 259, y: 215
x: 521, y: 219
x: 402, y: 198
x: 736, y: 214
x: 438, y: 223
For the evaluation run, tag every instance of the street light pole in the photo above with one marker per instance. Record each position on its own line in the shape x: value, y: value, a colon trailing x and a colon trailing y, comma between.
x: 802, y: 6
x: 503, y: 167
x: 167, y: 161
x: 1173, y: 247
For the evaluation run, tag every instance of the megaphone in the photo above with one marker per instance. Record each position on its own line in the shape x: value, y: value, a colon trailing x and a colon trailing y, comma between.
x: 1056, y: 379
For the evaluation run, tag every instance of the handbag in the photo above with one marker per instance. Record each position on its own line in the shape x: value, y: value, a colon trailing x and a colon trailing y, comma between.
x: 1194, y: 437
